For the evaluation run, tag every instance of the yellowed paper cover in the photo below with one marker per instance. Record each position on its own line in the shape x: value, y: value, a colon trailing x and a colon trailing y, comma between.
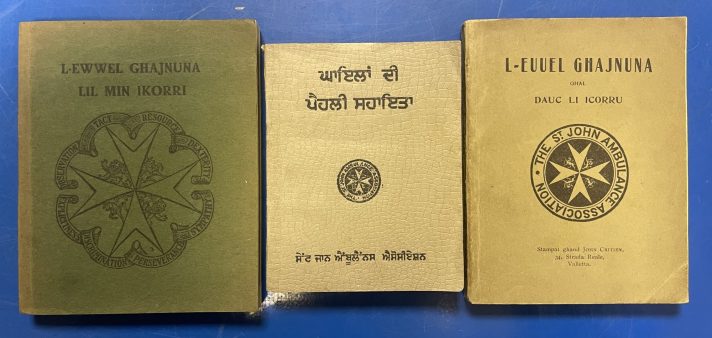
x: 576, y: 161
x: 364, y: 167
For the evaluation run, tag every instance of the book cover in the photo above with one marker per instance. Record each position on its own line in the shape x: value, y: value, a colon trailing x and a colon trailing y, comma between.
x: 576, y: 160
x: 139, y: 167
x: 364, y: 167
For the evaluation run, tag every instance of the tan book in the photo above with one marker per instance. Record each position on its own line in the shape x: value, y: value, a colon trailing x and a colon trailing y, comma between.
x: 364, y: 167
x: 576, y: 160
x: 139, y: 167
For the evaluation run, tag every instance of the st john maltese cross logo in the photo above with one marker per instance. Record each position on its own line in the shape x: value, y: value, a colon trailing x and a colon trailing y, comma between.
x: 135, y: 202
x: 582, y: 169
x: 579, y: 172
x: 358, y: 181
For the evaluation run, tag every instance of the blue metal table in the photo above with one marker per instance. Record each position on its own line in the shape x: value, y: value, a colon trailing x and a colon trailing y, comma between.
x: 375, y: 314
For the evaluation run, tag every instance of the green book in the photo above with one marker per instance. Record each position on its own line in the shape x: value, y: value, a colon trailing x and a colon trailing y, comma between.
x: 139, y: 167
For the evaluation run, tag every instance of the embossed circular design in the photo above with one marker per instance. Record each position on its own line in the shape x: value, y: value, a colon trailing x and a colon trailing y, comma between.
x: 129, y: 189
x: 579, y: 172
x: 359, y: 181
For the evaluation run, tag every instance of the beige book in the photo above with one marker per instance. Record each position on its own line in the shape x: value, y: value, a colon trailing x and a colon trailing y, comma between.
x: 576, y: 160
x: 364, y: 167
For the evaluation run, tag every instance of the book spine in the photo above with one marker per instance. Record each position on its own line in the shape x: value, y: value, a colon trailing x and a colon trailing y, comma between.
x: 24, y: 154
x: 261, y: 235
x: 471, y: 165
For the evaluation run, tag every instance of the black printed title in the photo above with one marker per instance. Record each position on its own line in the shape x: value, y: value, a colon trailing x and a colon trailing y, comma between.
x: 344, y: 75
x: 118, y: 90
x: 578, y: 65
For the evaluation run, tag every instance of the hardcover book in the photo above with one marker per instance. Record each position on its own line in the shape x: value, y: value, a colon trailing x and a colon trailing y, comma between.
x: 364, y: 167
x: 139, y: 175
x: 576, y: 160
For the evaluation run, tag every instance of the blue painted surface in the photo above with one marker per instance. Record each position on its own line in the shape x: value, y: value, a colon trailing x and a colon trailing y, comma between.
x: 375, y: 314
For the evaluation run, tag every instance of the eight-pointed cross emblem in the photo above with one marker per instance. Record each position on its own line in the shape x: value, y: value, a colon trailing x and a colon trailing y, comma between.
x: 581, y: 168
x: 135, y: 190
x: 358, y: 180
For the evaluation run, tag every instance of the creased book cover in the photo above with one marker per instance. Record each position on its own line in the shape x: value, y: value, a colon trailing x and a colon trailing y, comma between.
x: 364, y: 167
x: 139, y: 164
x: 576, y: 160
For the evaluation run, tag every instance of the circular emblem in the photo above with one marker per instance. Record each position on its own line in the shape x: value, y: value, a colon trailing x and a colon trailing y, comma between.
x: 359, y: 181
x: 579, y: 172
x: 133, y: 189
